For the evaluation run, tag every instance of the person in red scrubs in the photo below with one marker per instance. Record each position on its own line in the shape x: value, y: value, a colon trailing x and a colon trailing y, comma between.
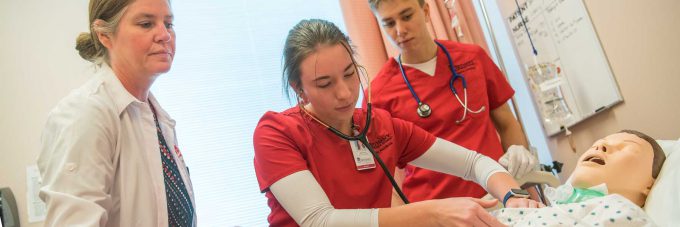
x: 471, y: 111
x: 313, y: 177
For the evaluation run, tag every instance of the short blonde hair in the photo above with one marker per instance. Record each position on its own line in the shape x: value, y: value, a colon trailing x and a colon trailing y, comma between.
x: 374, y: 4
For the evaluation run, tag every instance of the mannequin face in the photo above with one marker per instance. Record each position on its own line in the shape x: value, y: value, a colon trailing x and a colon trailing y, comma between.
x: 623, y: 161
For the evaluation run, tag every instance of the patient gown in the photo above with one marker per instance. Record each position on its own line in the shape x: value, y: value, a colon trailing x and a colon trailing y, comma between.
x: 610, y: 210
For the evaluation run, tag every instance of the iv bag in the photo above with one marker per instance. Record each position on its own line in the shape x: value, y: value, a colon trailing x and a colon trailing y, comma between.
x: 545, y: 81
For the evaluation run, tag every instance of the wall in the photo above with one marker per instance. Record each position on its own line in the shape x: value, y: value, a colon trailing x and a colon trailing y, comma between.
x: 38, y: 66
x: 640, y: 39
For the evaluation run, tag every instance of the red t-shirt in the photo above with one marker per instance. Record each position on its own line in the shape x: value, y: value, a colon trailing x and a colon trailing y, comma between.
x: 291, y: 141
x: 486, y: 87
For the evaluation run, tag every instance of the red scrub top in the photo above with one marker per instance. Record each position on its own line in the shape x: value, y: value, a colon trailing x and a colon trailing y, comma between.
x: 291, y: 141
x: 486, y: 87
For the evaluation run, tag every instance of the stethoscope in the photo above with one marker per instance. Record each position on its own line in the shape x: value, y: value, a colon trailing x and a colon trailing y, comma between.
x: 423, y: 109
x: 361, y: 137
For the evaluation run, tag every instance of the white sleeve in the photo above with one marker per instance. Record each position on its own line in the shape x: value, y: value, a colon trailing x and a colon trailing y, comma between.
x: 451, y: 158
x: 304, y: 199
x: 77, y: 169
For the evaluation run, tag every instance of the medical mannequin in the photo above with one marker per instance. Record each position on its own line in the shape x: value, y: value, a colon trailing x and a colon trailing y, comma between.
x: 608, y: 186
x: 313, y: 177
x: 478, y: 117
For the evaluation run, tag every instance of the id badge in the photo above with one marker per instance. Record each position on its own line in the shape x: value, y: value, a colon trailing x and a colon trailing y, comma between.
x: 362, y: 156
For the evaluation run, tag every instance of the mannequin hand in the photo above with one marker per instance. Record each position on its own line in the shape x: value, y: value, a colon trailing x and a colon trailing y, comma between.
x: 522, y: 203
x: 518, y: 161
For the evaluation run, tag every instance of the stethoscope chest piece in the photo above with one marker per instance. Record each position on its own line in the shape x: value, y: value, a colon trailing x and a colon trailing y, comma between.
x: 424, y: 110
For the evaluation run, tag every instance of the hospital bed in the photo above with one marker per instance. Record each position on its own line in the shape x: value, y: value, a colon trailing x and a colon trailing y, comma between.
x: 663, y: 201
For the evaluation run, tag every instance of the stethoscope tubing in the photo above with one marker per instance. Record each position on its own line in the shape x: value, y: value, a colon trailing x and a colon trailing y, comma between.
x: 454, y: 76
x: 364, y: 140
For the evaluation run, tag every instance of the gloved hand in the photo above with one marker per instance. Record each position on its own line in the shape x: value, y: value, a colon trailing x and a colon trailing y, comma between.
x: 518, y: 161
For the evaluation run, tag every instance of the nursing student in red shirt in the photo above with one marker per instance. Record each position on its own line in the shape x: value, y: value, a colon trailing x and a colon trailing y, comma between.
x: 313, y: 177
x: 486, y: 125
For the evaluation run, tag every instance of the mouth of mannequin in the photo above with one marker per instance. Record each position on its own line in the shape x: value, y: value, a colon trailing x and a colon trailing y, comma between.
x: 595, y: 159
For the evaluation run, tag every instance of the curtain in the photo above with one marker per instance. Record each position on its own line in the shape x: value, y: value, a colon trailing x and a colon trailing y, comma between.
x: 374, y: 48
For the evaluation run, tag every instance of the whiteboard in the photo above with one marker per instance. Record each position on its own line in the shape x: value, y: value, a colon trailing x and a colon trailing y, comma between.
x: 562, y: 34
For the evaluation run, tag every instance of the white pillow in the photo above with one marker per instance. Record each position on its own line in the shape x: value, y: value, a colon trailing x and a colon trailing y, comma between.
x: 663, y: 202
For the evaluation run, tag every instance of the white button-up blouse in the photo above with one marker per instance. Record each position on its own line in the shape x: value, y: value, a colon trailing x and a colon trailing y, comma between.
x: 100, y: 160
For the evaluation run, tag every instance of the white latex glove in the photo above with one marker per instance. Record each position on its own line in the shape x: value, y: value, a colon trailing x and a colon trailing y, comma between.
x: 518, y: 161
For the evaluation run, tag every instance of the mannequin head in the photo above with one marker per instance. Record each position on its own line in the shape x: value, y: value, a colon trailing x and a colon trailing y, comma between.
x: 627, y: 161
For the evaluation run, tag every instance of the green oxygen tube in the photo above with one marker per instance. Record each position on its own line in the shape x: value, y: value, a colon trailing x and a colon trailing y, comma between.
x: 580, y: 195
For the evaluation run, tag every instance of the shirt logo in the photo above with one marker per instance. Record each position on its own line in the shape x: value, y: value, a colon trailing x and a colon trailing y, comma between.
x: 465, y: 66
x: 179, y: 153
x: 381, y: 142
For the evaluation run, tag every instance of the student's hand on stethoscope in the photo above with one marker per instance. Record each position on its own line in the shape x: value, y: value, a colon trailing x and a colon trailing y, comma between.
x: 518, y: 161
x: 461, y: 212
x: 522, y: 203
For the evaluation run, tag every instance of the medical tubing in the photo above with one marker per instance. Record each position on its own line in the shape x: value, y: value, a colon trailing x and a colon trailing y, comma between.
x: 581, y: 194
x: 519, y: 10
x: 362, y: 138
x: 384, y: 168
x: 453, y: 69
x: 453, y: 89
x: 451, y: 81
x: 408, y: 84
x: 363, y: 132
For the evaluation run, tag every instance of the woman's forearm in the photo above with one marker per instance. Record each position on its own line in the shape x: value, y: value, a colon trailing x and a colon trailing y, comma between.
x: 450, y: 158
x: 500, y: 183
x: 305, y: 201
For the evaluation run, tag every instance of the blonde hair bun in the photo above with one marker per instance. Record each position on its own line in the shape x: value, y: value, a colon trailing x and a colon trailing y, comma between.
x: 86, y: 47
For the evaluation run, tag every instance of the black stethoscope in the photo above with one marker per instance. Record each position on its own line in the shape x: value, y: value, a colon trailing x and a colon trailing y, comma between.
x: 423, y: 109
x: 361, y: 137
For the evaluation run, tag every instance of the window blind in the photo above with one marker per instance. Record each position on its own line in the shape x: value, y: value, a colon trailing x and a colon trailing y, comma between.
x: 226, y: 74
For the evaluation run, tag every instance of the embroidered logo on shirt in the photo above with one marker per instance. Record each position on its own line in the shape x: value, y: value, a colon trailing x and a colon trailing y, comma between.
x: 465, y: 66
x: 179, y: 153
x: 381, y: 142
